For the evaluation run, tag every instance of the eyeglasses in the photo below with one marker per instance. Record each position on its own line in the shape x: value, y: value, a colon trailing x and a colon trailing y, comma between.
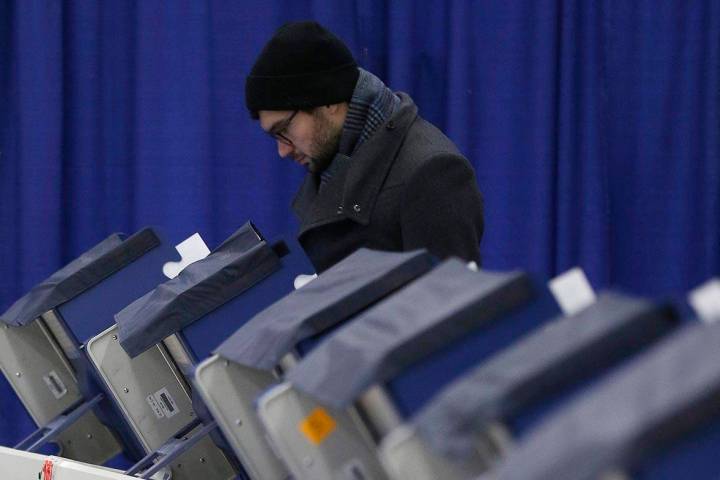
x: 280, y: 130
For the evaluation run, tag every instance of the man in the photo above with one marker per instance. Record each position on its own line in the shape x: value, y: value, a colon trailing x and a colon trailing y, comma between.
x: 379, y: 176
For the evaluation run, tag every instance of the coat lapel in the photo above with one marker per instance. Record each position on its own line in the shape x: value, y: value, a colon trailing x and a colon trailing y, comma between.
x: 315, y: 207
x: 352, y: 192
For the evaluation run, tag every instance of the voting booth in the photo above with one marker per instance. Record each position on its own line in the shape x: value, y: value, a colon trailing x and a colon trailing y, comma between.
x: 506, y: 395
x: 267, y: 347
x: 43, y: 333
x: 391, y: 359
x: 656, y: 418
x: 146, y: 360
x: 388, y: 365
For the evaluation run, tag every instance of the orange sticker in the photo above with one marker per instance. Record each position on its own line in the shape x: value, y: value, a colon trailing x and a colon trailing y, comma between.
x: 317, y: 426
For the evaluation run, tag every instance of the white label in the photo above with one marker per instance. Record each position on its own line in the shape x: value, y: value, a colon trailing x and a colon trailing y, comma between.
x: 191, y: 250
x: 572, y: 291
x: 167, y: 403
x: 56, y: 386
x: 154, y: 406
x: 302, y: 280
x: 705, y: 300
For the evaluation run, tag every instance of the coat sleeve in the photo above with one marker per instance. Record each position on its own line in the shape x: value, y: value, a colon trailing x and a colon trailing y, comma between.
x: 443, y: 208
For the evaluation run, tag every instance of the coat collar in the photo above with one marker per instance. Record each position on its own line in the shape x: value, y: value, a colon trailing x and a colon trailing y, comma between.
x: 352, y: 191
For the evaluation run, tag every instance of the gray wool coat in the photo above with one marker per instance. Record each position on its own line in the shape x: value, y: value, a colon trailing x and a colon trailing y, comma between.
x: 406, y: 187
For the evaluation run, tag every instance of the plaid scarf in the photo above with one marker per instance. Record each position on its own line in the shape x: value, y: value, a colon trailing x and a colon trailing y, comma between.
x: 370, y: 105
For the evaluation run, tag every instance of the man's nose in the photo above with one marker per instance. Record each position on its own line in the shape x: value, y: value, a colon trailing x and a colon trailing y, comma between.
x: 284, y: 149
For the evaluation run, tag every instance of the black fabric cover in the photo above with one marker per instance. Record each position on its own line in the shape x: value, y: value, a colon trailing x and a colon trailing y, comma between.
x: 239, y: 263
x: 86, y: 271
x: 666, y: 392
x: 560, y: 352
x: 428, y: 314
x: 338, y: 293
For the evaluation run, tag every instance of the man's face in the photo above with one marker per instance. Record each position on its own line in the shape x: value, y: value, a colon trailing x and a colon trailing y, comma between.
x: 311, y: 139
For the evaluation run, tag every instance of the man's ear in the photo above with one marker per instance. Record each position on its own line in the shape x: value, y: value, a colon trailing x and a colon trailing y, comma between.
x: 337, y: 110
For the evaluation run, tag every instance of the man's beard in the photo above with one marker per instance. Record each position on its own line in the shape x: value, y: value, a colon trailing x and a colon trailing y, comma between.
x: 325, y: 143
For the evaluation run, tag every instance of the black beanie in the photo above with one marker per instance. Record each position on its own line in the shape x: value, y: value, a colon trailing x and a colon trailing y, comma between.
x: 302, y: 66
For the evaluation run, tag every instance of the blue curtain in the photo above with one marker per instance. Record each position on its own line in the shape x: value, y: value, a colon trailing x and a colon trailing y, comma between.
x: 594, y: 127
